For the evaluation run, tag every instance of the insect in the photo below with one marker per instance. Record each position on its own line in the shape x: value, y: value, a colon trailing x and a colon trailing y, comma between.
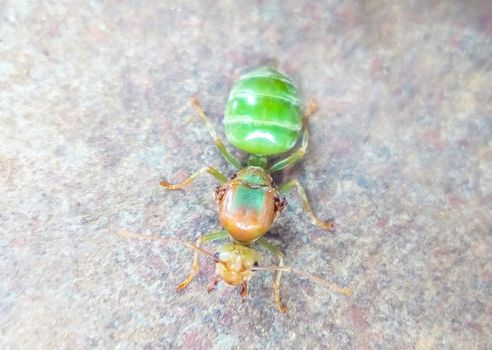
x: 264, y: 119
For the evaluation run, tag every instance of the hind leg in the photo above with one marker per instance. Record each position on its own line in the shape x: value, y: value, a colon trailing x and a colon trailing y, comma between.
x: 218, y: 142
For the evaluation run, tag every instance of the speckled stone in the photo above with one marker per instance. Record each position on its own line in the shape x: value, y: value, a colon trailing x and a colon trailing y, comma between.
x: 94, y: 111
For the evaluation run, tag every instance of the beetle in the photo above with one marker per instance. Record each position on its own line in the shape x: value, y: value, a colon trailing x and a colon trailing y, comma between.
x: 262, y: 118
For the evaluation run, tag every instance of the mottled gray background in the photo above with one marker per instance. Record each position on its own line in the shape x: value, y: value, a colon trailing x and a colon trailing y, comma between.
x: 94, y: 111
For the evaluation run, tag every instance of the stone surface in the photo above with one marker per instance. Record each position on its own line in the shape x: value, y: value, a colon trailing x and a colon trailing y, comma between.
x: 94, y: 111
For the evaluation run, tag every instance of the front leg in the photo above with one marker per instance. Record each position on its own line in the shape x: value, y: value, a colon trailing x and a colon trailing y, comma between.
x: 244, y: 291
x: 276, y: 284
x: 8, y: 167
x: 195, y: 267
x: 288, y: 186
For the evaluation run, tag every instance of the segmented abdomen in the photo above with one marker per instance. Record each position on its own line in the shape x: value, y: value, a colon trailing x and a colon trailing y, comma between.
x: 262, y: 114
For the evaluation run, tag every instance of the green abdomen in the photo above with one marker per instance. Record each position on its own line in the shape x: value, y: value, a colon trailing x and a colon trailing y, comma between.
x: 262, y: 115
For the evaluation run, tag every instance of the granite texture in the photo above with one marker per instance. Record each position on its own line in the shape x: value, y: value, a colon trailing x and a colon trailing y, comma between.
x: 94, y: 111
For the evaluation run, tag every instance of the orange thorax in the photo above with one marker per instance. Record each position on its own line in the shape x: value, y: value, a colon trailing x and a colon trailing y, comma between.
x: 247, y: 206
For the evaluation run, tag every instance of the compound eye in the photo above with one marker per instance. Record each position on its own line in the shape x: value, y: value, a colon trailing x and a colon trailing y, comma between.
x: 217, y: 255
x: 255, y: 264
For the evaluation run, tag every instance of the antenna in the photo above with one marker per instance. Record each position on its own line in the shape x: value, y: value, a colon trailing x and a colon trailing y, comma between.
x: 307, y: 275
x: 315, y: 278
x: 140, y: 237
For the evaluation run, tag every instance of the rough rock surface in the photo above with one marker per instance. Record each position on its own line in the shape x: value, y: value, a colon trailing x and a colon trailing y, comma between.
x: 94, y: 111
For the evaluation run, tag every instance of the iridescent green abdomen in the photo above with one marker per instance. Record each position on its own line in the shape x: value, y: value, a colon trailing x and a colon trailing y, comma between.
x: 262, y: 115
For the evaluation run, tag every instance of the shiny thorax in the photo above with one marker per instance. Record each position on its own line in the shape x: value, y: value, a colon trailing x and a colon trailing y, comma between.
x: 248, y: 204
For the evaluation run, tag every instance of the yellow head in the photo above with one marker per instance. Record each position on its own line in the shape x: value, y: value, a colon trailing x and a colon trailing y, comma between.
x: 236, y: 263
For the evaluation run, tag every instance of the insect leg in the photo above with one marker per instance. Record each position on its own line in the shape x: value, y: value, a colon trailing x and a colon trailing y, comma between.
x: 244, y: 291
x: 213, y: 283
x: 212, y: 171
x: 276, y: 284
x: 210, y: 237
x: 288, y: 186
x: 297, y: 155
x: 8, y: 167
x: 218, y: 142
